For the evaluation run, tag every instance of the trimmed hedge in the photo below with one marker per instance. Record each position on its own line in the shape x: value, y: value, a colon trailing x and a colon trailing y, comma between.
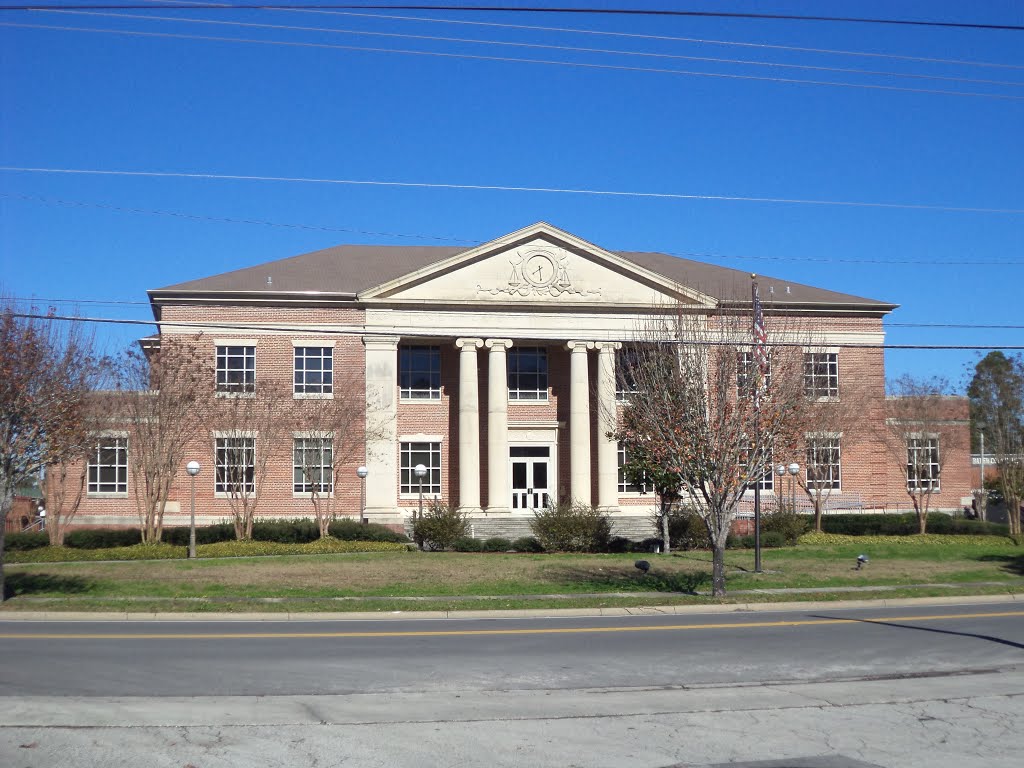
x: 70, y: 554
x: 468, y: 544
x: 102, y: 538
x: 906, y: 525
x: 497, y: 544
x: 353, y: 530
x: 527, y: 544
x: 23, y: 542
x: 206, y: 534
x: 951, y: 540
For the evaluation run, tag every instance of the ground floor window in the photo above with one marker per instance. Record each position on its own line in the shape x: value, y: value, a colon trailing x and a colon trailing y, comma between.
x: 625, y: 486
x: 235, y: 459
x: 824, y: 470
x: 427, y: 454
x: 923, y: 464
x: 108, y: 466
x: 313, y: 465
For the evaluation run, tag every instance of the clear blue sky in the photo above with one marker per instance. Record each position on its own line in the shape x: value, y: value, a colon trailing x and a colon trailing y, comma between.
x: 81, y: 100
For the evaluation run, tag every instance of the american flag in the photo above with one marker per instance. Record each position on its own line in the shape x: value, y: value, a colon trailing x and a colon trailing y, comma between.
x: 760, y: 348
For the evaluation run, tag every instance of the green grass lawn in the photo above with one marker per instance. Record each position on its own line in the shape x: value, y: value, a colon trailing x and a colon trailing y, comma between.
x: 344, y: 581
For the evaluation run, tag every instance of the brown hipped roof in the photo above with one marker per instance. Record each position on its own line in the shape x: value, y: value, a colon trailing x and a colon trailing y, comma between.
x: 345, y: 271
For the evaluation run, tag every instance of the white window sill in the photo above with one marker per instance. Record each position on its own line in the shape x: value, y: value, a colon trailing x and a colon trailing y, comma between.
x: 538, y: 401
x: 222, y: 393
x: 107, y: 495
x: 313, y: 395
x: 224, y: 495
x: 309, y: 495
x: 411, y: 399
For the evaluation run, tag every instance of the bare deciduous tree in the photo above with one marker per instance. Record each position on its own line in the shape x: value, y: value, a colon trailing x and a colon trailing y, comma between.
x: 249, y: 425
x: 694, y: 416
x: 332, y: 437
x: 46, y: 372
x: 922, y: 430
x: 162, y: 394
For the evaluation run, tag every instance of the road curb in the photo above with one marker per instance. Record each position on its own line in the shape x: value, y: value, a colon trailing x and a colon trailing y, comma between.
x: 817, y: 605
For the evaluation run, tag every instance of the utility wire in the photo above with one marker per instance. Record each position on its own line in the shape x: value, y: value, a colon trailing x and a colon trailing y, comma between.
x: 507, y: 188
x: 539, y: 9
x: 370, y: 332
x: 510, y: 59
x: 470, y: 242
x: 550, y: 47
x: 227, y: 220
x: 669, y: 38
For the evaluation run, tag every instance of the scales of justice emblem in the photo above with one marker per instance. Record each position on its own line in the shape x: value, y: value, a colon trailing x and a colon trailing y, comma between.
x: 538, y: 273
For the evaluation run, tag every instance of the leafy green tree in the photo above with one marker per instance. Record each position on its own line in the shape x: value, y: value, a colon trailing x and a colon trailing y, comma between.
x: 996, y: 394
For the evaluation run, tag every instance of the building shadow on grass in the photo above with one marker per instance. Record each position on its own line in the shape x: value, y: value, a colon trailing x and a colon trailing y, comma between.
x: 29, y: 584
x: 627, y: 579
x: 880, y: 622
x: 1011, y: 563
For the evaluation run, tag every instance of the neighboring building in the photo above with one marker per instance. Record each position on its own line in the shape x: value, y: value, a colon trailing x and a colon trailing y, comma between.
x: 492, y: 366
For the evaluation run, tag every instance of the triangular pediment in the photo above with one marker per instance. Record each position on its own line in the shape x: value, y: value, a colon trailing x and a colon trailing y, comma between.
x: 540, y: 265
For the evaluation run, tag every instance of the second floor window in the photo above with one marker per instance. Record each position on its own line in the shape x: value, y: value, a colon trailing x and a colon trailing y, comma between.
x: 627, y: 361
x: 746, y: 373
x: 923, y: 464
x: 419, y: 372
x: 528, y: 373
x: 108, y: 466
x: 314, y: 370
x: 236, y: 369
x: 821, y: 375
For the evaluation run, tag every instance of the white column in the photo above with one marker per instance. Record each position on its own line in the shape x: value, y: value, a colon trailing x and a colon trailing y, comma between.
x: 607, y: 447
x: 382, y: 429
x: 469, y: 425
x: 579, y: 422
x: 498, y: 490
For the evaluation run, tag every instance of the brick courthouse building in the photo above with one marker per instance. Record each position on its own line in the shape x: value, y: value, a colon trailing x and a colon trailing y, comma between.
x: 494, y: 367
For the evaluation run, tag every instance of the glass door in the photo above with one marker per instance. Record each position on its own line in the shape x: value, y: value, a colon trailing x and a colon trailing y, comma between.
x: 530, y: 477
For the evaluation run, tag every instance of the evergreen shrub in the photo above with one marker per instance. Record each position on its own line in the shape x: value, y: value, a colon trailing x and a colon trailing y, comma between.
x: 572, y: 528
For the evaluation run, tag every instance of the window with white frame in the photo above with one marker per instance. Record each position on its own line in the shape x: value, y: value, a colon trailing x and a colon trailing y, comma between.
x: 314, y: 370
x: 427, y: 454
x: 235, y: 460
x: 627, y: 360
x: 625, y: 486
x: 312, y: 465
x: 528, y: 373
x: 821, y: 374
x: 923, y: 463
x: 419, y: 372
x: 108, y: 466
x: 823, y: 470
x: 767, y: 481
x: 236, y: 368
x: 746, y: 378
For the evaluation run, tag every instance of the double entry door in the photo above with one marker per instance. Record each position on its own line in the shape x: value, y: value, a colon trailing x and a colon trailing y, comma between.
x: 531, y: 477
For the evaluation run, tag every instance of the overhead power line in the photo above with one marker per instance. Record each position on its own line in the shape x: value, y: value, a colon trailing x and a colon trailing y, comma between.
x: 542, y: 9
x: 512, y: 59
x: 551, y: 47
x: 370, y: 332
x: 472, y: 242
x: 509, y: 188
x: 667, y: 38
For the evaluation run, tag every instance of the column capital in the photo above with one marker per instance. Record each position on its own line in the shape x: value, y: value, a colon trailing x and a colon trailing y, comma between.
x: 381, y: 342
x: 471, y: 344
x: 498, y: 343
x: 607, y: 347
x: 579, y: 346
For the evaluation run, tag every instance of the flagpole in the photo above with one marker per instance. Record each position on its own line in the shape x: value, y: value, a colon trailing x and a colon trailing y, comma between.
x: 755, y: 360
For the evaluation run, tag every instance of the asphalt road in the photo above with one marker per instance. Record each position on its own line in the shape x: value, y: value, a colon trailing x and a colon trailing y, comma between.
x: 922, y: 687
x: 344, y: 657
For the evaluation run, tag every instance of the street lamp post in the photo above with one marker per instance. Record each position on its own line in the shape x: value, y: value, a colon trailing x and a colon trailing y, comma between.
x: 781, y: 472
x: 420, y: 471
x: 794, y: 470
x: 193, y: 469
x: 362, y: 472
x: 981, y: 488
